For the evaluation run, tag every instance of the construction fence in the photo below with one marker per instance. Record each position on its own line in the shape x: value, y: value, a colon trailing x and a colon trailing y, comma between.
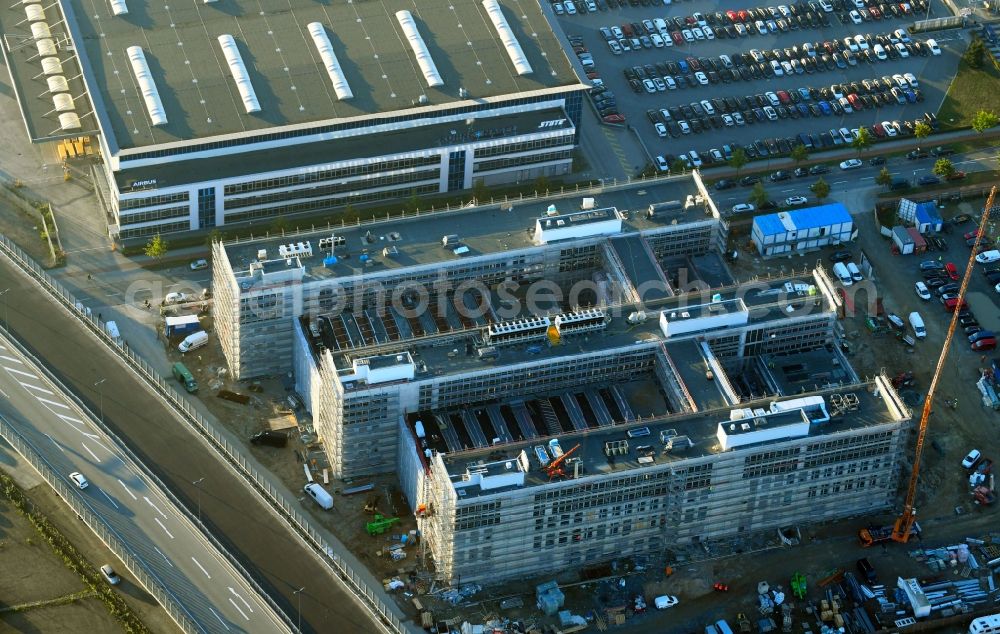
x: 383, y: 614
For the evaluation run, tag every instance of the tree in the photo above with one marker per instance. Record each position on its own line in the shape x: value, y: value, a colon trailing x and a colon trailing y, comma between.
x: 738, y: 160
x: 678, y: 166
x: 758, y: 195
x: 156, y: 248
x: 922, y: 130
x: 542, y: 184
x: 480, y: 192
x: 863, y: 141
x: 974, y: 54
x: 799, y: 153
x: 944, y: 168
x: 884, y: 178
x: 984, y: 120
x: 820, y: 188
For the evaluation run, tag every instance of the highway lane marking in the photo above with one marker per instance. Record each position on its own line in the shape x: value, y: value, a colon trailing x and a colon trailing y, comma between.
x: 125, y: 486
x: 220, y: 619
x: 164, y: 556
x: 839, y: 182
x: 240, y: 597
x: 69, y: 418
x: 3, y: 356
x: 21, y: 372
x: 92, y: 454
x: 867, y: 178
x: 4, y: 394
x: 239, y: 610
x: 109, y: 499
x: 202, y: 568
x: 47, y: 401
x: 150, y: 502
x: 55, y: 443
x: 37, y: 387
x: 163, y: 527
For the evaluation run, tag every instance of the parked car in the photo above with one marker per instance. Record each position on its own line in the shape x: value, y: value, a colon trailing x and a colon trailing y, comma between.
x: 110, y: 575
x: 922, y: 291
x: 840, y: 256
x: 743, y: 208
x: 851, y: 164
x: 988, y: 257
x: 197, y: 265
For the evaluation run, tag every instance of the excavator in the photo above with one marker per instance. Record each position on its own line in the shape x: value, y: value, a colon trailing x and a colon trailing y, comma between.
x: 906, y: 524
x: 555, y: 468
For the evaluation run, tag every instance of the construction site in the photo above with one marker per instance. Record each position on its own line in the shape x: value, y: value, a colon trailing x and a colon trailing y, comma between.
x: 580, y: 388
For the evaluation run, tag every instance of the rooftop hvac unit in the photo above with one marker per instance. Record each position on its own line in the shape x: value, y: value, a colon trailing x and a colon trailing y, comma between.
x: 63, y: 102
x: 57, y: 83
x: 40, y: 30
x: 69, y: 121
x: 46, y: 47
x: 35, y: 13
x: 51, y: 66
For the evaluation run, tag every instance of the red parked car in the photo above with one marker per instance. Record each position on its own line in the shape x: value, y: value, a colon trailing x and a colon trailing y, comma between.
x: 951, y: 304
x: 980, y: 345
x: 614, y: 118
x: 952, y: 271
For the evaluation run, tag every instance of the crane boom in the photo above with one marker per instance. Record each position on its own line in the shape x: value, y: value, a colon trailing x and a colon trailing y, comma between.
x: 904, y: 523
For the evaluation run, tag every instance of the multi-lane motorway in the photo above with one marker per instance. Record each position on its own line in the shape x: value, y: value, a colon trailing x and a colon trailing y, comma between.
x: 213, y: 594
x: 287, y: 569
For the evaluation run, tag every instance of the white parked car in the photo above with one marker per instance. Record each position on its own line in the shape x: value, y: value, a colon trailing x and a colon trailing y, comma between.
x: 79, y: 480
x: 856, y: 17
x: 933, y: 47
x: 851, y: 164
x: 110, y: 575
x: 702, y: 78
x: 889, y: 128
x: 970, y: 460
x: 911, y: 79
x: 665, y: 601
x: 661, y: 162
x: 661, y: 130
x: 197, y: 265
x: 988, y: 257
x: 794, y: 201
x: 922, y: 291
x: 743, y: 208
x: 175, y: 298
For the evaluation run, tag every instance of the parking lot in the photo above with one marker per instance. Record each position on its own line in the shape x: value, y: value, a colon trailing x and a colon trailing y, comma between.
x: 740, y: 110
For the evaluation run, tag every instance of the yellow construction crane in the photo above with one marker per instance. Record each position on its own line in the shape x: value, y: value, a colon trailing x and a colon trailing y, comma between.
x: 903, y: 528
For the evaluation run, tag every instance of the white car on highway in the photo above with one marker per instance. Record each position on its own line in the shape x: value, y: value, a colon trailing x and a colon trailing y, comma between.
x: 79, y: 480
x: 851, y: 164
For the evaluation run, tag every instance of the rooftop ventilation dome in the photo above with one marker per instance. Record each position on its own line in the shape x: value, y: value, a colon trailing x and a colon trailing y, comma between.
x: 330, y: 61
x: 424, y: 59
x: 239, y: 71
x: 154, y: 106
x: 514, y: 50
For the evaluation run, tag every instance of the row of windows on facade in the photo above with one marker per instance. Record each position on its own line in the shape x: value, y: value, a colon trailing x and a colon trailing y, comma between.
x: 331, y: 189
x: 329, y: 203
x: 332, y: 174
x: 522, y: 161
x: 573, y: 103
x: 145, y: 232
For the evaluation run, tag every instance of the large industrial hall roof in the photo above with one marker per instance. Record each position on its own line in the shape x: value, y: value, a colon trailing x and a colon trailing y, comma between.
x: 235, y: 66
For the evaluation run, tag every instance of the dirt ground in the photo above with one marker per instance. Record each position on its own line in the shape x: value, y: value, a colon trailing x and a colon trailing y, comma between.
x: 33, y: 572
x: 269, y: 400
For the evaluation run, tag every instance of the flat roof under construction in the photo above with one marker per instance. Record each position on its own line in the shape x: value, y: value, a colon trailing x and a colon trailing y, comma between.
x: 701, y: 428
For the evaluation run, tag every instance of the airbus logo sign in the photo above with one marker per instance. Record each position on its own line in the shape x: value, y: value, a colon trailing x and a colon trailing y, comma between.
x: 554, y: 123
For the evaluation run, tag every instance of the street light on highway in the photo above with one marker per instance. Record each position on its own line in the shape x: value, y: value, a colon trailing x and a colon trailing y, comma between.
x: 197, y: 484
x: 100, y: 391
x: 298, y: 594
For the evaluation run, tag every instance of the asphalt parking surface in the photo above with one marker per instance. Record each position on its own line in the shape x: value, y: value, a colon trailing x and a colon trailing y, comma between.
x: 933, y: 72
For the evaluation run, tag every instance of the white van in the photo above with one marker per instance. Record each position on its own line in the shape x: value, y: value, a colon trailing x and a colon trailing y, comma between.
x: 318, y: 493
x: 840, y: 270
x: 112, y: 329
x: 917, y: 323
x: 193, y: 341
x: 855, y: 272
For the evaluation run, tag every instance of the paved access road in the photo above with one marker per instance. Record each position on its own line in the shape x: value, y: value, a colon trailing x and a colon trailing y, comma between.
x: 235, y: 515
x: 214, y: 594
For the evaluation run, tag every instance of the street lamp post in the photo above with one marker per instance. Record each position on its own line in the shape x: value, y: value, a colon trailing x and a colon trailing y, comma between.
x: 298, y: 594
x: 6, y: 319
x: 197, y: 484
x: 100, y: 390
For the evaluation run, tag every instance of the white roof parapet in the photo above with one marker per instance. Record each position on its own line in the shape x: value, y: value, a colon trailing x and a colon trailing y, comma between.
x: 322, y: 42
x: 510, y: 42
x: 239, y: 71
x: 147, y: 86
x: 424, y: 59
x: 118, y: 7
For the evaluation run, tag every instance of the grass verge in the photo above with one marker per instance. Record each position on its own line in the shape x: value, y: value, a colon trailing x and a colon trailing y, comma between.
x: 72, y: 558
x: 972, y: 90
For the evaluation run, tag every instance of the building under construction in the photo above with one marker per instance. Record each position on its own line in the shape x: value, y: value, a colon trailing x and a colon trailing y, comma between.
x: 568, y: 381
